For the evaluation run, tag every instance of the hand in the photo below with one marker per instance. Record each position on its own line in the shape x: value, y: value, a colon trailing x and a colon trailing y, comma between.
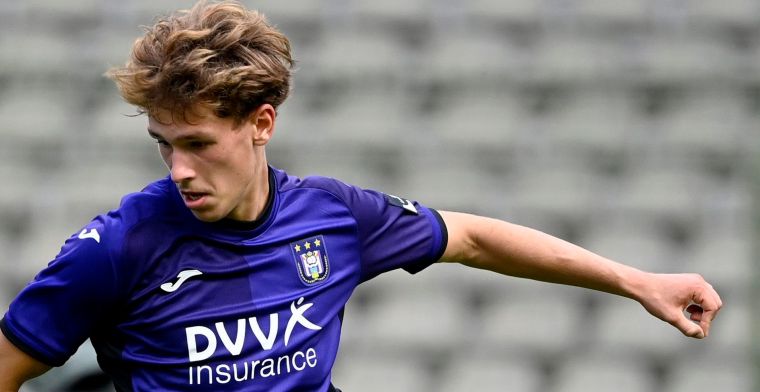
x: 666, y: 296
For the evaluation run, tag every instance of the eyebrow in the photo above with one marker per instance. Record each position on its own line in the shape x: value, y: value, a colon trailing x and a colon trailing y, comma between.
x: 188, y: 136
x: 154, y: 135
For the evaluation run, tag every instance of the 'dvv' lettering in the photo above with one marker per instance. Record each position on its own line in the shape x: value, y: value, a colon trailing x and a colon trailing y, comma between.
x: 268, y: 341
x: 235, y: 347
x: 192, y: 347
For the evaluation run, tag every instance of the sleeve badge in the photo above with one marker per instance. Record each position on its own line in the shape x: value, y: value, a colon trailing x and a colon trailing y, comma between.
x: 401, y: 202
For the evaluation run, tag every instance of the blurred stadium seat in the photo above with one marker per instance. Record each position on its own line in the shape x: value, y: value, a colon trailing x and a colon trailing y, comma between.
x: 361, y: 56
x: 498, y: 117
x: 514, y: 12
x: 733, y: 374
x: 471, y: 58
x: 372, y: 373
x: 708, y: 124
x: 544, y: 323
x: 736, y: 328
x: 594, y: 372
x: 663, y: 193
x: 730, y: 13
x: 393, y: 12
x: 724, y: 257
x: 592, y: 117
x: 566, y: 58
x: 625, y: 327
x: 686, y: 58
x: 489, y: 373
x: 625, y: 14
x: 425, y: 322
x: 640, y: 244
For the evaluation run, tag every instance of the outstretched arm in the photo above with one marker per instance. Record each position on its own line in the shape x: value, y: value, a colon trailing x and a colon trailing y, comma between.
x: 519, y: 251
x: 16, y: 366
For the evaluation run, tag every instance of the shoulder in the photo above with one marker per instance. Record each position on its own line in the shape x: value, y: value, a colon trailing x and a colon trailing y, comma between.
x: 119, y: 243
x: 153, y: 205
x: 156, y: 199
x: 329, y: 194
x: 323, y: 187
x: 287, y: 182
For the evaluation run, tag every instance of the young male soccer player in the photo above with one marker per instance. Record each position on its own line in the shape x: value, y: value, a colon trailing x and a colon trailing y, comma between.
x: 230, y: 274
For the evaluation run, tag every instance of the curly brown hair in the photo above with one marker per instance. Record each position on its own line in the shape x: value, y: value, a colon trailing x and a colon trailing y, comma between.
x: 220, y: 56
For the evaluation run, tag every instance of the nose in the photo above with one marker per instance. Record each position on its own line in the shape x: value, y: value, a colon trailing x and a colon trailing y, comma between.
x: 180, y: 167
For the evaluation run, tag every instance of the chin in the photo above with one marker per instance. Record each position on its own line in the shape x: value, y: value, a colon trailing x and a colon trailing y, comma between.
x: 207, y: 216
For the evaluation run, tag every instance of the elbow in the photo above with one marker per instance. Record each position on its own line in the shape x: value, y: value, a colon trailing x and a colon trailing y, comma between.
x: 476, y: 250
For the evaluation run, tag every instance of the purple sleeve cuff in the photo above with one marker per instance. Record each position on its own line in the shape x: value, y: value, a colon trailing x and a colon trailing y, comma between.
x: 22, y: 345
x: 440, y: 241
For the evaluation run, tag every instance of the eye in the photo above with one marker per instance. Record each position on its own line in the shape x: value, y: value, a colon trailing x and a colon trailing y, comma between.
x: 162, y: 143
x: 198, y: 144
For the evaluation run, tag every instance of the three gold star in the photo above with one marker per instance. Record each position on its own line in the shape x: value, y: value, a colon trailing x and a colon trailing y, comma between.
x: 307, y: 245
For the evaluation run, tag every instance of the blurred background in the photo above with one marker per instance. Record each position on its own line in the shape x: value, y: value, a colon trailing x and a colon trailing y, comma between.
x: 628, y: 127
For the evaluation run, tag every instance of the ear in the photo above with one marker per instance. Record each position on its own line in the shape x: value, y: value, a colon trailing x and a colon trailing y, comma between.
x: 262, y: 120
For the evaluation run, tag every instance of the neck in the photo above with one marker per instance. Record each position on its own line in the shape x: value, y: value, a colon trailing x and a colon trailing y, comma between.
x: 258, y: 195
x: 261, y: 192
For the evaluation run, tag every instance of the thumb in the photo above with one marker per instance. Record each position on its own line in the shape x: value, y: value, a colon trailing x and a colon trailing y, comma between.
x: 687, y: 327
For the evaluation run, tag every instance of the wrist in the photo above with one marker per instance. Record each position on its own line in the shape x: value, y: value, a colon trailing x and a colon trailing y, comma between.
x: 633, y: 283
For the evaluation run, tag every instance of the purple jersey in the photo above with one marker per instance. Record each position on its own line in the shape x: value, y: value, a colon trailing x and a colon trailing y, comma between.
x: 174, y: 303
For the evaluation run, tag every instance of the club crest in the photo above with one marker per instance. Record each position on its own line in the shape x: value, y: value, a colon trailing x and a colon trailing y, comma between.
x: 311, y: 259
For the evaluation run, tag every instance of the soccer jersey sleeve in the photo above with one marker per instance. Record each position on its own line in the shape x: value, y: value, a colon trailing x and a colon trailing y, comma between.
x: 394, y: 232
x: 63, y: 304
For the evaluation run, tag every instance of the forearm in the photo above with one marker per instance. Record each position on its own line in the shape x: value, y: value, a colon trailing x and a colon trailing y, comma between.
x: 16, y: 367
x: 519, y: 251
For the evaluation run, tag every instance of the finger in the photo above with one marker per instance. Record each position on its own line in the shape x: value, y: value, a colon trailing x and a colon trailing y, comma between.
x: 718, y: 301
x: 707, y: 317
x: 716, y: 297
x: 710, y: 307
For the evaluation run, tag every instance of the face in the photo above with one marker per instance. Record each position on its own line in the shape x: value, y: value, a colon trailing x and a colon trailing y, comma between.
x: 219, y: 169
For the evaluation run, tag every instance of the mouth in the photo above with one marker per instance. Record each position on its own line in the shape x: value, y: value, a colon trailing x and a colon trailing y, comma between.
x: 193, y: 199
